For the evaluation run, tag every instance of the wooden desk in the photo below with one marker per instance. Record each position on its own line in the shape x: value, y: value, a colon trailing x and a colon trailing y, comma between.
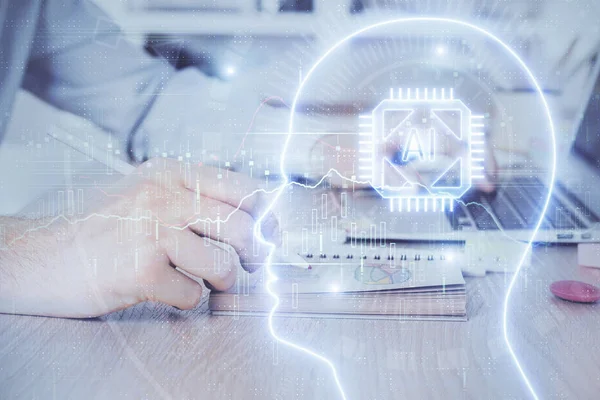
x: 155, y: 352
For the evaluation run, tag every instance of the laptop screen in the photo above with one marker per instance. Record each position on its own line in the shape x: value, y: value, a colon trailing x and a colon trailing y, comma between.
x: 587, y: 141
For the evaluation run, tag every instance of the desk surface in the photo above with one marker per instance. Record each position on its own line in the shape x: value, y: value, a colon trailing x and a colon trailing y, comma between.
x: 154, y: 352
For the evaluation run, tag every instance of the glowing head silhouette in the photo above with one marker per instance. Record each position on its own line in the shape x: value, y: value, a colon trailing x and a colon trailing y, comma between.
x: 366, y: 116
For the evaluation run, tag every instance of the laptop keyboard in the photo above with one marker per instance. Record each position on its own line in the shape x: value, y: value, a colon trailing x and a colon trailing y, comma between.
x: 518, y: 205
x: 579, y: 205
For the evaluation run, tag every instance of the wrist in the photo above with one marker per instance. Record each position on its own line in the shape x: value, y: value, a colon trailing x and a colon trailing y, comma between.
x: 29, y: 264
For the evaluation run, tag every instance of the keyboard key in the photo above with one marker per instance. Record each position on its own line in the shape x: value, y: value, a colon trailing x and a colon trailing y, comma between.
x: 528, y: 212
x: 459, y: 210
x: 482, y: 219
x: 560, y: 217
x: 557, y: 218
x: 504, y: 213
x: 458, y: 218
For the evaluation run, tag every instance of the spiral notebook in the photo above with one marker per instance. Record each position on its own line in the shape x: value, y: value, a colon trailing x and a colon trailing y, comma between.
x: 365, y: 284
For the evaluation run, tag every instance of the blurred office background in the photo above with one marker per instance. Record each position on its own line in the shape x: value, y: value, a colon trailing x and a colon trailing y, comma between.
x: 253, y: 50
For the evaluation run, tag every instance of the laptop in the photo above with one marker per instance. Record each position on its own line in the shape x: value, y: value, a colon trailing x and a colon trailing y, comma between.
x: 572, y: 216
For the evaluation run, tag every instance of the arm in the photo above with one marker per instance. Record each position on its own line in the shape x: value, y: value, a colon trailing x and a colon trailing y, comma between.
x: 125, y: 249
x: 80, y: 62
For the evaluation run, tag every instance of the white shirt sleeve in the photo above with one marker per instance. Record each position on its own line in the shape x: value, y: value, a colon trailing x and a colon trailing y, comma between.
x: 211, y: 121
x: 81, y: 62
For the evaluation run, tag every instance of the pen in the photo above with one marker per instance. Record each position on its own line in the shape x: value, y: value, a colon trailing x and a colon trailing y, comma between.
x: 293, y: 260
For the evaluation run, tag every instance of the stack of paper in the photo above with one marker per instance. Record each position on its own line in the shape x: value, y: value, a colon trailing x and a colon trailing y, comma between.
x: 419, y: 287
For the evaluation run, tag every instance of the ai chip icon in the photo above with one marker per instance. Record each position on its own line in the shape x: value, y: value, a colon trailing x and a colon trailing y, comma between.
x: 430, y: 130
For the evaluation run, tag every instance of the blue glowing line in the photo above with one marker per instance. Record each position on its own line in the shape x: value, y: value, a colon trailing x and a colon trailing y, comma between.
x: 272, y: 278
x: 285, y: 183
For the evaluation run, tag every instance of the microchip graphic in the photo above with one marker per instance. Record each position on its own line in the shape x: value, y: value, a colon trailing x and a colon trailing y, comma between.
x: 424, y: 133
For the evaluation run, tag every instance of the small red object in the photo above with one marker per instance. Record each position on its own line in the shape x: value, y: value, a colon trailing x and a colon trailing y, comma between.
x: 575, y: 291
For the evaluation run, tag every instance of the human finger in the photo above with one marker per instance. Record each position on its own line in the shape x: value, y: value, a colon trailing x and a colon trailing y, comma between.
x: 203, y: 258
x: 169, y: 286
x: 226, y: 224
x: 234, y: 188
x: 229, y: 187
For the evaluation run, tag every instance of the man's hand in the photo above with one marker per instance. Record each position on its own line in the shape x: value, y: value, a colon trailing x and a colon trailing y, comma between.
x: 341, y: 152
x: 165, y: 215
